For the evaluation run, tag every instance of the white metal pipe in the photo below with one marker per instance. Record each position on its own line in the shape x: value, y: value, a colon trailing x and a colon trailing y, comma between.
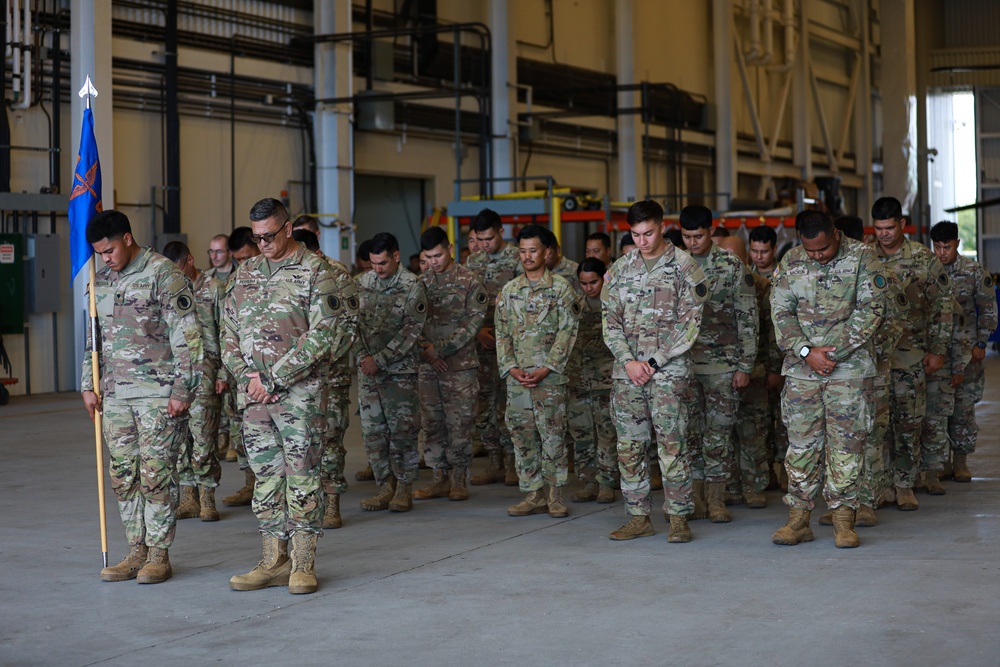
x: 791, y: 38
x: 767, y: 28
x: 753, y: 54
x: 25, y: 48
x: 16, y: 46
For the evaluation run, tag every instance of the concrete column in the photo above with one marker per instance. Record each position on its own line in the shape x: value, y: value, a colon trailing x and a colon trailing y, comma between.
x: 899, y: 102
x: 725, y: 132
x: 503, y: 75
x: 863, y: 117
x: 629, y: 138
x: 802, y: 110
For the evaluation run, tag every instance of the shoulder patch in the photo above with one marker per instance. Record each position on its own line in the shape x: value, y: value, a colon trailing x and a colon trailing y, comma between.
x: 418, y: 307
x: 748, y: 279
x: 901, y: 299
x: 183, y: 302
x: 879, y: 281
x: 943, y: 279
x: 577, y: 309
x: 481, y: 297
x: 988, y: 281
x: 961, y: 320
x: 700, y: 289
x: 353, y: 303
x: 333, y: 302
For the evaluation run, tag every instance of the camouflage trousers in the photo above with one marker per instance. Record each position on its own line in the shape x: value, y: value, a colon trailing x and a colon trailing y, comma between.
x: 143, y: 443
x: 338, y: 406
x: 643, y: 414
x: 907, y: 404
x: 198, y: 459
x: 284, y: 444
x: 876, y: 479
x: 536, y: 419
x: 753, y: 444
x: 447, y: 416
x: 491, y: 427
x: 236, y: 428
x: 390, y: 422
x: 962, y: 425
x: 713, y: 407
x: 935, y: 445
x: 778, y: 430
x: 592, y: 429
x: 228, y: 401
x: 828, y: 419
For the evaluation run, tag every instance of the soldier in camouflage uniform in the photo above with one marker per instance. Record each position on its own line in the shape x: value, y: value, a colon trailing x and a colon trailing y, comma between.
x: 393, y: 310
x: 923, y: 346
x: 827, y: 301
x: 536, y: 323
x: 449, y: 362
x: 590, y: 364
x: 222, y: 266
x: 598, y: 245
x: 284, y: 319
x: 496, y: 264
x: 560, y: 265
x: 653, y: 301
x: 198, y: 461
x: 723, y: 359
x: 150, y: 355
x: 973, y: 287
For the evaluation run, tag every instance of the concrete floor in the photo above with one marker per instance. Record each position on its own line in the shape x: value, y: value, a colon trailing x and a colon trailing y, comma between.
x: 464, y: 584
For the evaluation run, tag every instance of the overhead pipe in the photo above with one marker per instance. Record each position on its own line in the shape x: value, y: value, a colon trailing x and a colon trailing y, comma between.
x: 767, y: 28
x: 753, y: 54
x: 21, y: 35
x: 791, y: 38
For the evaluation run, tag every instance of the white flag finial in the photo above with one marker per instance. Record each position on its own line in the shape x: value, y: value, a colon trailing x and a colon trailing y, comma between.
x: 88, y: 89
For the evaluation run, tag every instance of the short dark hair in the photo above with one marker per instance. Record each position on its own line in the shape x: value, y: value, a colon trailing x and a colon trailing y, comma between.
x: 240, y: 238
x: 109, y: 225
x: 176, y: 251
x: 383, y: 242
x: 364, y: 250
x: 269, y: 208
x: 310, y: 222
x: 674, y: 236
x: 485, y: 220
x: 306, y: 238
x: 944, y: 231
x: 764, y: 234
x: 625, y: 240
x: 810, y: 224
x: 720, y: 232
x: 602, y: 237
x: 593, y: 265
x: 852, y: 226
x: 696, y: 217
x: 549, y: 239
x: 534, y: 231
x: 886, y: 208
x: 434, y: 237
x: 644, y: 211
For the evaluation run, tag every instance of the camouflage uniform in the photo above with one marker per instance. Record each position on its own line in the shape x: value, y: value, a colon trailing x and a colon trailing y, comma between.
x: 456, y: 311
x: 727, y: 342
x: 392, y: 319
x: 150, y: 352
x: 495, y: 271
x: 536, y: 327
x: 653, y: 314
x: 285, y: 320
x: 839, y: 304
x: 776, y: 428
x: 927, y: 320
x: 228, y: 397
x: 567, y: 269
x: 590, y: 424
x: 935, y: 447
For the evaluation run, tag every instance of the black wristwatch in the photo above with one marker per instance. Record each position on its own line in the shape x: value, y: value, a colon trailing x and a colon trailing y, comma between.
x: 804, y: 352
x: 981, y: 346
x: 652, y: 363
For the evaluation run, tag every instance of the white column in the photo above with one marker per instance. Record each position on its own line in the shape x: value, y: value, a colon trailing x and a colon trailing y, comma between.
x: 725, y: 135
x: 899, y: 102
x: 503, y: 73
x: 629, y: 139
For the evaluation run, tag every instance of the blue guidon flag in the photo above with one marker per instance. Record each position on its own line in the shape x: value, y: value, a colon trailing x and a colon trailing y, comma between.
x: 85, y: 200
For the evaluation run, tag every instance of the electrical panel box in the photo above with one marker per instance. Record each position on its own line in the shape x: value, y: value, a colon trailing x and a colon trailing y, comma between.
x: 375, y: 115
x: 43, y: 277
x: 11, y: 284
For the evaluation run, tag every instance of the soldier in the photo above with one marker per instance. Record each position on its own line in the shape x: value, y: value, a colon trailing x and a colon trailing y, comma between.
x: 590, y: 365
x: 827, y: 301
x: 150, y: 353
x: 284, y: 319
x: 626, y: 244
x: 393, y: 310
x: 455, y: 314
x: 496, y: 264
x: 598, y: 246
x: 723, y: 359
x: 562, y: 266
x: 309, y: 223
x: 536, y: 322
x: 221, y: 259
x: 763, y: 244
x: 197, y: 462
x: 653, y: 301
x: 222, y: 266
x: 973, y: 287
x: 362, y: 260
x: 923, y: 345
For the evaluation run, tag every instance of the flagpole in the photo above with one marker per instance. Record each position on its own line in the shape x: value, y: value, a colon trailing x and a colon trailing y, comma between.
x: 98, y: 433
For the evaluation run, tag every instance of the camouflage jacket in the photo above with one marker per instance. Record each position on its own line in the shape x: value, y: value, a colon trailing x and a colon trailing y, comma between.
x: 495, y: 271
x: 891, y: 328
x: 927, y: 316
x: 340, y: 367
x: 456, y: 310
x: 567, y: 269
x: 393, y: 312
x: 653, y: 314
x: 209, y: 295
x: 224, y: 279
x: 727, y: 340
x: 285, y: 320
x: 769, y: 355
x: 839, y: 304
x: 959, y: 347
x: 591, y: 361
x: 977, y: 298
x: 536, y: 326
x: 151, y: 345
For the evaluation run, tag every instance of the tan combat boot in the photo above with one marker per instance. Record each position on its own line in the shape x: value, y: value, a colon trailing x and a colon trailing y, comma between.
x: 865, y: 517
x: 510, y: 470
x: 826, y: 519
x: 129, y: 567
x: 932, y: 484
x: 303, y: 577
x: 587, y: 494
x: 700, y: 508
x: 439, y: 487
x: 459, y: 484
x: 960, y: 468
x: 796, y: 530
x: 365, y: 475
x: 679, y: 530
x: 557, y: 510
x: 272, y: 570
x: 157, y: 568
x: 905, y: 500
x: 533, y: 503
x: 655, y: 476
x: 717, y: 512
x: 948, y: 472
x: 188, y: 507
x: 756, y: 500
x: 843, y: 528
x: 223, y: 447
x: 245, y: 495
x: 638, y: 526
x: 206, y: 498
x: 493, y: 472
x: 402, y: 500
x: 331, y: 515
x: 605, y: 495
x: 380, y: 501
